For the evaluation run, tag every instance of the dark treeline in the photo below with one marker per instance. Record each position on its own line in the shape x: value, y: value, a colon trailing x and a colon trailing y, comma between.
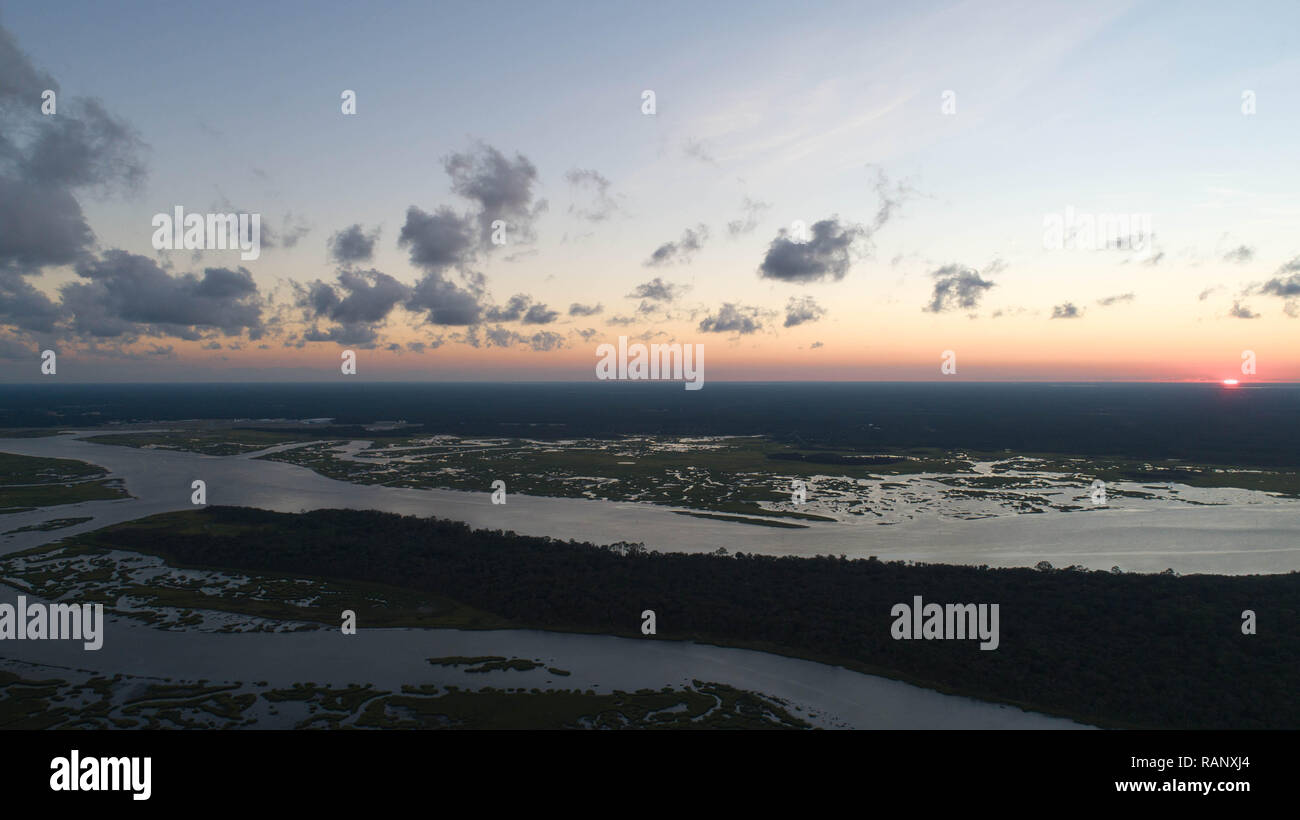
x: 1109, y: 649
x: 1257, y: 425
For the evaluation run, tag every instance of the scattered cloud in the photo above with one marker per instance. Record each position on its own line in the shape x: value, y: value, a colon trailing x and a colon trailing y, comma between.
x: 680, y: 251
x: 956, y: 288
x: 827, y: 254
x: 802, y: 309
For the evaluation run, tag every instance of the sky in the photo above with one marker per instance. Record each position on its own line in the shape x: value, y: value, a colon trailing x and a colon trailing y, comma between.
x: 823, y: 191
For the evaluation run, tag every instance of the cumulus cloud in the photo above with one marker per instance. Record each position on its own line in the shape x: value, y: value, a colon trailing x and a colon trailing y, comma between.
x: 802, y: 309
x: 439, y: 240
x: 352, y: 245
x: 826, y: 254
x: 23, y: 306
x: 126, y: 295
x: 445, y: 302
x: 680, y: 251
x: 956, y: 288
x: 578, y: 309
x: 45, y: 161
x: 541, y: 342
x: 1068, y: 310
x: 360, y: 301
x: 732, y: 318
x: 1287, y: 282
x: 512, y: 311
x: 502, y: 188
x: 657, y: 290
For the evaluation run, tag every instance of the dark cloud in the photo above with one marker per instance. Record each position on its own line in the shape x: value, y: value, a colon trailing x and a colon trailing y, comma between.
x: 577, y: 309
x: 127, y: 295
x: 25, y: 307
x: 360, y: 302
x: 540, y: 315
x: 439, y: 240
x: 513, y: 310
x: 540, y: 342
x: 352, y: 244
x: 828, y: 253
x: 502, y: 188
x: 1068, y: 310
x: 445, y: 302
x: 956, y: 288
x: 680, y: 251
x: 732, y: 318
x: 1287, y: 283
x: 802, y: 309
x: 602, y: 206
x: 46, y: 160
x: 521, y: 308
x: 657, y: 290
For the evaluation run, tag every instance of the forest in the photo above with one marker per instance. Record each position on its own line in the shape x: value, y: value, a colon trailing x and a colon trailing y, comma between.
x: 1106, y: 648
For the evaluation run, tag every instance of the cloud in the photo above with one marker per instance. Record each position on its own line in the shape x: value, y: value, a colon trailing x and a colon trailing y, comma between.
x: 815, y: 345
x: 513, y: 310
x: 695, y: 149
x: 577, y: 309
x: 1205, y: 293
x: 802, y: 309
x: 445, y: 302
x: 657, y: 290
x: 1287, y: 283
x: 1240, y: 255
x: 127, y: 295
x: 25, y: 307
x: 540, y: 315
x: 602, y: 206
x: 352, y: 244
x: 680, y: 251
x: 540, y: 342
x: 732, y: 318
x: 828, y: 253
x: 45, y: 160
x: 502, y: 189
x: 1114, y: 300
x: 360, y: 302
x: 1066, y: 311
x: 1241, y: 311
x: 438, y: 241
x: 753, y: 212
x: 956, y: 288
